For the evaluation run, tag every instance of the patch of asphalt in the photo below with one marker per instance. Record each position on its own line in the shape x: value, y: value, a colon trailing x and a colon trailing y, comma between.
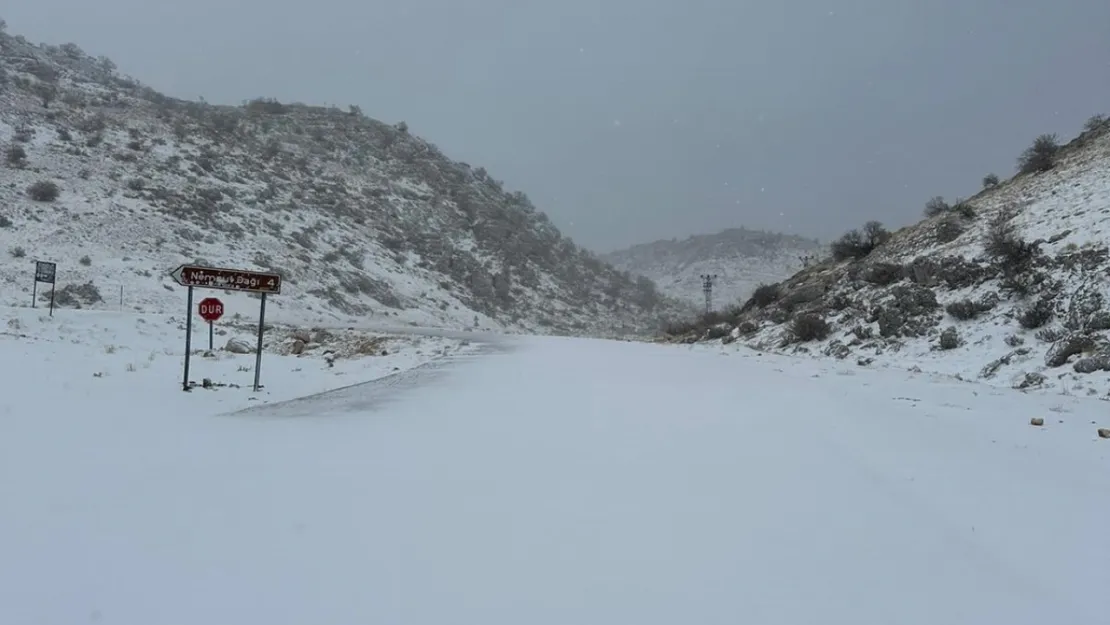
x: 374, y: 394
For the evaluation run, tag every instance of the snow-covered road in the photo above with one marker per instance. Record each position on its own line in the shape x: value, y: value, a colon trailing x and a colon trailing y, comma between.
x: 569, y: 481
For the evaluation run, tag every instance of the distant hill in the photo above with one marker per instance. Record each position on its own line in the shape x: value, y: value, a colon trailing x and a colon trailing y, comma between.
x: 741, y: 258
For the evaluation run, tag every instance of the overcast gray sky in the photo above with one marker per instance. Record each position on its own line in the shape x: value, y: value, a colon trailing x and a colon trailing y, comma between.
x: 632, y: 120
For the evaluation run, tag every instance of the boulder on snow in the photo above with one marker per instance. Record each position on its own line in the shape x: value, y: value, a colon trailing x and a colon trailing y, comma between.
x: 1098, y: 362
x: 1036, y: 421
x: 239, y: 346
x: 1104, y: 432
x: 1030, y: 380
x: 1066, y: 347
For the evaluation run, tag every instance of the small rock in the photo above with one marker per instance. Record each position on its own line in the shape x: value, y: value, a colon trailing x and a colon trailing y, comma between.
x: 992, y: 367
x: 238, y: 346
x: 206, y: 383
x: 837, y: 349
x: 1036, y: 421
x: 864, y: 361
x: 745, y: 328
x: 1104, y: 432
x: 298, y: 347
x: 1031, y: 379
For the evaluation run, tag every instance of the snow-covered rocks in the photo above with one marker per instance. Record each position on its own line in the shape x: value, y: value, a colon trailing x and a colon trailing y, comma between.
x: 118, y: 184
x: 1019, y: 296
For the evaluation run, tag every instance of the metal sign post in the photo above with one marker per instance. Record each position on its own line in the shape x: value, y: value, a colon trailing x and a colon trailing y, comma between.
x: 195, y: 276
x: 188, y: 337
x: 258, y: 350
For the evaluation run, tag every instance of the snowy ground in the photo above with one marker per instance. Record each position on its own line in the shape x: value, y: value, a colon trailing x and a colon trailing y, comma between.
x: 91, y: 361
x: 560, y: 481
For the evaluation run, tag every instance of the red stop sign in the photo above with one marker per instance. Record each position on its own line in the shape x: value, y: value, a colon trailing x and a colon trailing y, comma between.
x: 210, y: 309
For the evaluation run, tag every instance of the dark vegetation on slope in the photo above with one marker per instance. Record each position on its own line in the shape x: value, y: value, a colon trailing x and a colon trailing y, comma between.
x: 902, y: 297
x: 371, y: 181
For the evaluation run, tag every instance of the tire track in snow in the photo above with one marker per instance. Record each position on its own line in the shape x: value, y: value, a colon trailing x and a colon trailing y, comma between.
x: 373, y: 395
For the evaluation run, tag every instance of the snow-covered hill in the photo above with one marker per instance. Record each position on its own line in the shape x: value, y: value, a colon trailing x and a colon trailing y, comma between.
x: 118, y: 184
x: 741, y: 259
x: 1011, y: 286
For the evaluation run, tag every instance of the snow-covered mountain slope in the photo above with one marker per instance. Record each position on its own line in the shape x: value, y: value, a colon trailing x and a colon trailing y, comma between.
x: 741, y: 259
x: 1010, y: 287
x: 118, y: 184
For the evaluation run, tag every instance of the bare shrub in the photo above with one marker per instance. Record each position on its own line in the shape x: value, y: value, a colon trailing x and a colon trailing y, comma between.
x: 809, y: 327
x: 16, y: 156
x: 990, y: 180
x: 44, y: 191
x: 1095, y: 122
x: 949, y: 338
x: 948, y: 229
x: 76, y: 296
x: 85, y: 260
x: 1037, y: 315
x: 679, y: 327
x: 875, y: 234
x: 965, y: 310
x: 856, y: 244
x: 963, y: 208
x: 936, y: 206
x: 1049, y: 335
x: 1003, y: 243
x: 1039, y: 157
x: 765, y: 295
x: 268, y: 106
